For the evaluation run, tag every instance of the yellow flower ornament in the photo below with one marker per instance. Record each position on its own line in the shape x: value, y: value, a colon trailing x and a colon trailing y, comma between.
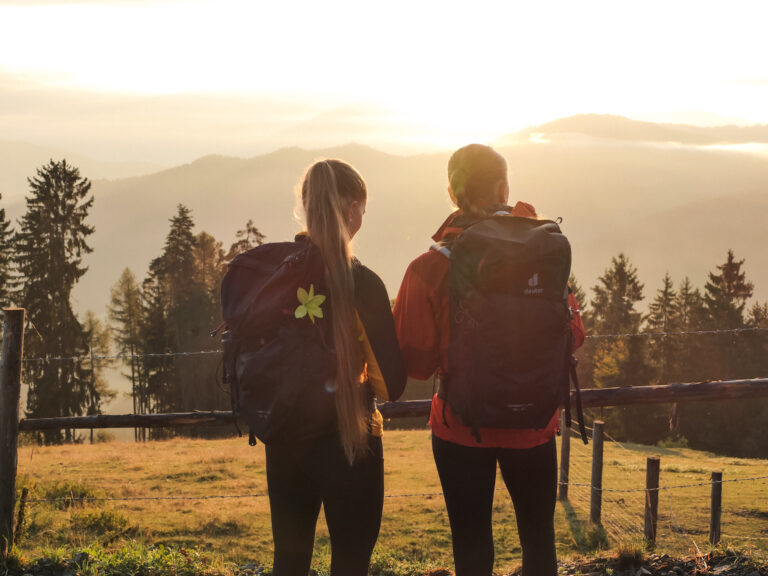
x: 309, y: 304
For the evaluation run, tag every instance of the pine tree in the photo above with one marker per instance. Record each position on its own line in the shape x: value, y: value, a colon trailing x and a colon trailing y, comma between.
x: 691, y: 317
x: 726, y: 293
x: 99, y: 346
x: 6, y: 253
x: 154, y: 343
x: 725, y: 356
x: 245, y: 239
x: 664, y: 317
x: 48, y: 256
x: 125, y: 317
x: 622, y: 362
x: 612, y: 309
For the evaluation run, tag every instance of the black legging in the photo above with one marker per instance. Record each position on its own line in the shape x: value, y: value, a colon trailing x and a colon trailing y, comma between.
x: 468, y: 477
x: 300, y: 479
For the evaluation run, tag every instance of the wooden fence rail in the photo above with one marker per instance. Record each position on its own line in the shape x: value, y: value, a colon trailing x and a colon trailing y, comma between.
x: 719, y: 390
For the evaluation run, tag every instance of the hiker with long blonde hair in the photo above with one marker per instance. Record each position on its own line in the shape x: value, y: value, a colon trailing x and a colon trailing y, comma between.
x: 340, y: 468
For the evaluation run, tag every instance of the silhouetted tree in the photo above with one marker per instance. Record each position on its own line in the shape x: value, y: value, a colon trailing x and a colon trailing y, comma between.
x: 245, y: 239
x: 125, y: 318
x: 181, y: 306
x: 664, y: 317
x: 99, y: 345
x: 612, y: 310
x: 49, y: 247
x: 622, y: 361
x: 727, y: 355
x: 6, y: 253
x: 726, y: 293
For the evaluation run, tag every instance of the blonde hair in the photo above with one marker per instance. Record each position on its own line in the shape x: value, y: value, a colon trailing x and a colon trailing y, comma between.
x: 474, y: 172
x: 329, y: 187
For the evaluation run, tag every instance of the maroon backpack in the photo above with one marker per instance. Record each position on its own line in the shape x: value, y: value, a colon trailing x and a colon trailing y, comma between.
x: 277, y: 359
x: 510, y: 355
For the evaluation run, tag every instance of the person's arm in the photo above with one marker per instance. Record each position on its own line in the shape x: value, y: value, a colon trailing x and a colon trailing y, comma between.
x: 386, y: 371
x: 417, y: 320
x: 577, y: 326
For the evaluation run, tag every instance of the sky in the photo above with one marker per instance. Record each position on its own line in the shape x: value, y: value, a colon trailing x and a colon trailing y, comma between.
x: 168, y: 81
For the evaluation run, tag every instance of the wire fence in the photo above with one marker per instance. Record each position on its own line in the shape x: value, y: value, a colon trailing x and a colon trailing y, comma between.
x: 111, y: 357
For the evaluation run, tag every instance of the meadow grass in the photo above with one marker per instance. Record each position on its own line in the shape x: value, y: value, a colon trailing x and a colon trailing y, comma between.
x: 415, y: 536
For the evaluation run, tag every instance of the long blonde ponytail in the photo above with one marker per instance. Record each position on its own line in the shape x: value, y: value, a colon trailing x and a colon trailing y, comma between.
x: 329, y: 187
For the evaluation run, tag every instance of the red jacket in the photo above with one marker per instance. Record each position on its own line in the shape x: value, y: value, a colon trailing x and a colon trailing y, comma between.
x: 422, y: 322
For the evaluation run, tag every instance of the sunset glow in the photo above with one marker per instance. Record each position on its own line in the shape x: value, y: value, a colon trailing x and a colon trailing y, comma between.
x: 483, y: 71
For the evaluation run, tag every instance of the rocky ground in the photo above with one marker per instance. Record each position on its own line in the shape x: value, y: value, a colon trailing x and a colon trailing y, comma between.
x: 728, y: 563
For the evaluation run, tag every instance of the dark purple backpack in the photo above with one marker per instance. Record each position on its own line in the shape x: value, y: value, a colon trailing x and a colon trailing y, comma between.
x: 278, y: 364
x: 510, y: 353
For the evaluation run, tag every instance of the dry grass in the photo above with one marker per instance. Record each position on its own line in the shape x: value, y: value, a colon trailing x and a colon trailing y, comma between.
x: 415, y: 527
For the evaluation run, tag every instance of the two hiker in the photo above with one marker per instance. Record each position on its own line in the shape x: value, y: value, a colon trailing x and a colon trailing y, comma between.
x: 312, y: 340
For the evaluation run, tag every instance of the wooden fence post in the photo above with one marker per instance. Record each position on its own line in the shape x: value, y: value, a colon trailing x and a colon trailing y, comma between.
x: 596, y: 502
x: 565, y: 457
x: 652, y: 469
x: 10, y: 395
x: 716, y: 509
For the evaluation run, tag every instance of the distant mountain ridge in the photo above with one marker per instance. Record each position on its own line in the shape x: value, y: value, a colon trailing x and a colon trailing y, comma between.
x: 668, y: 207
x: 622, y: 128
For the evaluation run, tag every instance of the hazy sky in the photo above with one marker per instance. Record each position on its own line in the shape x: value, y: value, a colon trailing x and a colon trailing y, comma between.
x: 168, y: 81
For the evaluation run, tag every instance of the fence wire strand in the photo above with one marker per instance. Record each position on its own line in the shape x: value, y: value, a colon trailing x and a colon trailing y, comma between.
x: 619, y: 336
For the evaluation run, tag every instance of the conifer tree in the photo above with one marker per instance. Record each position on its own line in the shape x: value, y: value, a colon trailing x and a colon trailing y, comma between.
x: 726, y: 293
x: 48, y: 256
x: 620, y: 362
x: 245, y: 239
x: 125, y: 317
x: 664, y: 317
x: 691, y: 317
x: 612, y: 309
x: 99, y: 346
x: 723, y: 356
x: 6, y: 252
x: 155, y: 368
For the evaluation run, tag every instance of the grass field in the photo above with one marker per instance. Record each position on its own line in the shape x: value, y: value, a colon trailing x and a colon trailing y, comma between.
x: 414, y: 535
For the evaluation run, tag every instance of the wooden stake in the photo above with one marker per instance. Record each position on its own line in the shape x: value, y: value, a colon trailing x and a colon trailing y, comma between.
x: 652, y: 469
x: 716, y: 509
x: 596, y: 502
x: 10, y: 395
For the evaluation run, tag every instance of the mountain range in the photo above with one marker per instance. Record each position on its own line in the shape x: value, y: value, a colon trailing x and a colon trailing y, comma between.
x: 673, y: 198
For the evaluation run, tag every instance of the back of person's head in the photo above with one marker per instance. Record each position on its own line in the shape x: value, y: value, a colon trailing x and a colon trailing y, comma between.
x: 478, y: 177
x: 328, y: 189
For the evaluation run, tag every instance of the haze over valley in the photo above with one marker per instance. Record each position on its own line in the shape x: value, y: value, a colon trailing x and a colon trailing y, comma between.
x: 618, y: 184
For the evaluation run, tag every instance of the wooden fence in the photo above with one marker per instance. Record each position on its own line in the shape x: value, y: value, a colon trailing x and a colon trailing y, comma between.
x: 10, y: 426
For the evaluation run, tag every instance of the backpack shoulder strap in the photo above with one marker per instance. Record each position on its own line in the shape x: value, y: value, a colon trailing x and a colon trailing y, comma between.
x: 442, y: 248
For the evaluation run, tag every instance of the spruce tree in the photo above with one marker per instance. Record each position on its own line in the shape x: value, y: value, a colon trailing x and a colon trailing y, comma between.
x: 664, y: 317
x: 622, y: 361
x: 48, y: 256
x: 125, y: 317
x: 726, y: 293
x: 99, y: 346
x: 6, y: 253
x: 245, y: 239
x: 154, y: 343
x: 612, y: 309
x: 726, y: 356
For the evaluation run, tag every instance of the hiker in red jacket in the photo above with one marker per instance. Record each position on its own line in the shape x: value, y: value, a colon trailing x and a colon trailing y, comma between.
x: 465, y: 457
